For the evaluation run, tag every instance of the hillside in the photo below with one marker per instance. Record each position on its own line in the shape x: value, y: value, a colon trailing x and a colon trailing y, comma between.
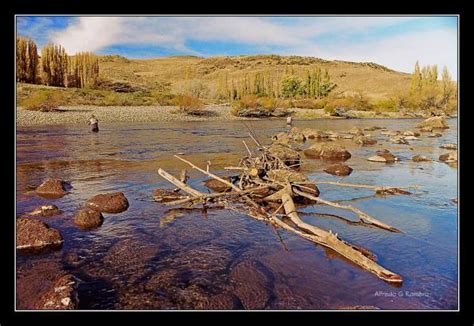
x: 373, y: 80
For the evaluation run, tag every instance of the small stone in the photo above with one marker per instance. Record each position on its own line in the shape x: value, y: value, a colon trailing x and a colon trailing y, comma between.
x: 449, y: 146
x: 109, y: 203
x: 364, y: 140
x: 435, y: 134
x: 420, y: 158
x: 340, y: 169
x: 449, y: 157
x: 88, y: 218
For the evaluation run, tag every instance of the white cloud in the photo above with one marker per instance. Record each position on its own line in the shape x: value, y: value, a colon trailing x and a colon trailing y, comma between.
x: 299, y: 35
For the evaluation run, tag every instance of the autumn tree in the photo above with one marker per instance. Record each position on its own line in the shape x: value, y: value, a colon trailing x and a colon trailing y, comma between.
x: 54, y: 64
x: 447, y: 85
x: 83, y: 70
x: 416, y: 79
x: 26, y: 60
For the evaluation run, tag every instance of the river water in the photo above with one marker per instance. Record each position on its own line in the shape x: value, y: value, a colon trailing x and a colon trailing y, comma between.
x: 154, y: 257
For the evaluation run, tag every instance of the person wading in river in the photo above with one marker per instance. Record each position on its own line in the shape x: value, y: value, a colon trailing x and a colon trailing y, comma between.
x: 94, y: 123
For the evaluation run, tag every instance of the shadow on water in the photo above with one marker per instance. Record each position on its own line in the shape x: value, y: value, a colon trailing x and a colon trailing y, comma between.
x: 154, y: 257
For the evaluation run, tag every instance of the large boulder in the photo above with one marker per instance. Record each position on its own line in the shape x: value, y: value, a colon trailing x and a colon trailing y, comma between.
x: 109, y: 203
x: 286, y: 154
x: 34, y: 234
x: 328, y: 151
x: 52, y: 188
x: 61, y: 296
x: 88, y: 218
x: 450, y: 157
x: 434, y: 122
x: 339, y: 169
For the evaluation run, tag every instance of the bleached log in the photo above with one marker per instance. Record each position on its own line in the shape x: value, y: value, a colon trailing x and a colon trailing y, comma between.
x: 330, y: 240
x: 180, y: 184
x: 363, y: 216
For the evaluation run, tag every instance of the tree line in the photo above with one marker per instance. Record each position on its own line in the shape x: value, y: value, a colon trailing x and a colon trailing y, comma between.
x: 54, y: 67
x: 317, y: 84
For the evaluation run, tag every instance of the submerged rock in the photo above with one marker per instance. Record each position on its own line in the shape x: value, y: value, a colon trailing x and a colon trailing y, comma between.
x: 411, y: 133
x: 399, y: 140
x: 281, y: 137
x: 426, y: 129
x: 449, y: 146
x: 52, y: 188
x: 420, y: 158
x: 109, y: 203
x: 88, y: 218
x: 286, y: 154
x: 435, y: 134
x: 390, y: 133
x: 46, y: 211
x: 340, y: 169
x: 449, y: 157
x: 383, y: 156
x: 364, y: 140
x: 356, y: 131
x: 217, y: 186
x: 34, y: 234
x: 310, y: 133
x: 434, y: 122
x: 61, y: 296
x: 411, y: 138
x: 327, y: 151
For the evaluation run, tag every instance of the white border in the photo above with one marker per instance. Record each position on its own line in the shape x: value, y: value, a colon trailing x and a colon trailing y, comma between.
x: 230, y: 310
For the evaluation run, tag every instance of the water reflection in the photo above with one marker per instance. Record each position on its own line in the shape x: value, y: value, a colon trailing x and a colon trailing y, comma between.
x: 152, y: 258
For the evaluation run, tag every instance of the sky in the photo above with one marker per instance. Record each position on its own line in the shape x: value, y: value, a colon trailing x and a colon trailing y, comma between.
x: 395, y: 42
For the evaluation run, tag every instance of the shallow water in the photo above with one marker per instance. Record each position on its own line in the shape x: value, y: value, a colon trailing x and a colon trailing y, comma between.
x: 151, y: 257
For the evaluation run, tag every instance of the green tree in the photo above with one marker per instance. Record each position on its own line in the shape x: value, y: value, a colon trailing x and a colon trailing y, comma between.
x: 291, y: 86
x: 416, y: 80
x: 447, y: 85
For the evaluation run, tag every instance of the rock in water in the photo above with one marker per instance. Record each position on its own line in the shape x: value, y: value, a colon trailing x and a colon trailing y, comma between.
x: 377, y: 158
x: 286, y: 154
x: 88, y: 218
x: 435, y: 134
x: 340, y: 169
x: 356, y: 131
x: 399, y: 140
x: 46, y: 211
x: 434, y: 122
x: 61, y: 296
x: 216, y: 185
x: 449, y: 146
x: 387, y: 155
x: 449, y: 157
x: 34, y: 234
x: 52, y: 188
x: 281, y: 138
x: 109, y: 203
x: 411, y: 133
x: 327, y: 151
x: 364, y: 140
x: 426, y: 129
x: 420, y: 158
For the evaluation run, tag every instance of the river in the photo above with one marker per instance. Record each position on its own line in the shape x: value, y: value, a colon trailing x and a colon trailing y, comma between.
x: 151, y: 257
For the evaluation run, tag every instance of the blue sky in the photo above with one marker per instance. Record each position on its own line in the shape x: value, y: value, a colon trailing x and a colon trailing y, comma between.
x: 396, y: 42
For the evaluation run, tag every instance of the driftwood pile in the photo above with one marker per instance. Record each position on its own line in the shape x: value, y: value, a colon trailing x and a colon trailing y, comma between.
x: 266, y: 189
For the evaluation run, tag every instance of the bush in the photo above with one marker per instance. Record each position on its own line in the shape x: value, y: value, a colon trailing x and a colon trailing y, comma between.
x: 189, y: 105
x: 385, y: 105
x: 312, y: 104
x: 355, y: 102
x: 253, y: 106
x: 44, y: 101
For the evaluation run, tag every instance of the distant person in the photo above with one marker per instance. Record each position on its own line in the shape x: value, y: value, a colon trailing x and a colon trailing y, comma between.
x: 289, y: 121
x: 94, y: 123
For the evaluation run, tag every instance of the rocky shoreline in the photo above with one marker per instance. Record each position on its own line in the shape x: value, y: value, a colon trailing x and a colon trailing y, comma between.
x: 76, y: 115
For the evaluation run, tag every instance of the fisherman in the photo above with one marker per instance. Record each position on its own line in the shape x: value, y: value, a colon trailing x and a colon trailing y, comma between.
x: 94, y: 123
x: 289, y: 121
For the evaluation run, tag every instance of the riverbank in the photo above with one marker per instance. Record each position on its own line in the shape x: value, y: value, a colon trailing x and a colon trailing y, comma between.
x: 76, y: 115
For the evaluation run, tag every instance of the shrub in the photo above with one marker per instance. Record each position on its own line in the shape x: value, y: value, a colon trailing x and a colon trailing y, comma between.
x: 312, y: 104
x: 253, y: 106
x: 189, y: 105
x: 385, y: 105
x: 44, y: 101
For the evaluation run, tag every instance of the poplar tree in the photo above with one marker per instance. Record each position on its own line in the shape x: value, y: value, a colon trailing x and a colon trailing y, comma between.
x: 26, y: 60
x: 54, y: 64
x: 416, y: 79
